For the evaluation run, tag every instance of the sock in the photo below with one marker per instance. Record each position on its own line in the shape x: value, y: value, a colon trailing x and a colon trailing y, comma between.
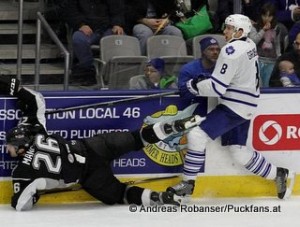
x: 194, y: 160
x: 146, y: 197
x: 261, y: 167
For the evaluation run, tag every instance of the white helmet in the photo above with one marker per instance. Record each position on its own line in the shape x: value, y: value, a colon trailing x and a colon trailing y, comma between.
x: 239, y: 21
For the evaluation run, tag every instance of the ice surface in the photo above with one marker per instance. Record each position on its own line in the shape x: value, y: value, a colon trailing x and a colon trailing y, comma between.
x: 242, y: 212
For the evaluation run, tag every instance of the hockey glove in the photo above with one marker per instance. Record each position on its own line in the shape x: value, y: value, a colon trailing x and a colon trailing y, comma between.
x: 9, y: 85
x: 184, y: 83
x: 192, y: 86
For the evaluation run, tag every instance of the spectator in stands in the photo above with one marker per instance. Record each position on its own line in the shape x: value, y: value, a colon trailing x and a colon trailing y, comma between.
x: 90, y: 21
x: 224, y: 9
x: 292, y: 56
x: 154, y: 77
x: 252, y: 8
x: 292, y: 35
x: 265, y: 34
x: 151, y: 17
x: 55, y: 15
x: 204, y: 66
x: 288, y: 12
x: 288, y: 77
x: 188, y: 7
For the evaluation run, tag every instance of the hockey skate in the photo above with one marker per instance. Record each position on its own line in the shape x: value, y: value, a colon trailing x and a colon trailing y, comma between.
x: 284, y: 180
x: 163, y: 198
x: 162, y: 130
x: 182, y: 124
x: 184, y: 188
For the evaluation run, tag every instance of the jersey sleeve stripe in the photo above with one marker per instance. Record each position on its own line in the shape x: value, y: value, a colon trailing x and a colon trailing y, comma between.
x: 239, y: 101
x: 243, y: 92
x: 219, y: 82
x: 215, y: 89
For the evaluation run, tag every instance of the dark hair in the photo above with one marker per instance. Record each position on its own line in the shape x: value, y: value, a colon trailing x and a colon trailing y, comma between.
x: 267, y: 8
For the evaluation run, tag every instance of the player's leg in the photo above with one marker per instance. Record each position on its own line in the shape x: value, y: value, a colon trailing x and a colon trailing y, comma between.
x: 255, y: 162
x: 193, y: 162
x: 162, y: 130
x: 137, y: 195
x: 217, y: 122
x: 110, y: 146
x: 114, y: 145
x: 104, y: 186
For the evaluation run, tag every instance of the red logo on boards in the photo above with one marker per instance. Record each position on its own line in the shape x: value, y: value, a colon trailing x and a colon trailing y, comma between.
x: 276, y: 132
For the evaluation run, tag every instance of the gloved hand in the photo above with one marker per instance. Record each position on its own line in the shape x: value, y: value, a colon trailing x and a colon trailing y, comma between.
x: 192, y: 84
x: 187, y: 83
x: 9, y: 85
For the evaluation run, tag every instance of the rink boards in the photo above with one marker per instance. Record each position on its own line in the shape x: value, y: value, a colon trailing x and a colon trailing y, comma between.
x: 275, y: 131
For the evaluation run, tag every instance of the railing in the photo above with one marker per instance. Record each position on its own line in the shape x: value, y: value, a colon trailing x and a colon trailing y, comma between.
x: 41, y: 21
x: 20, y: 40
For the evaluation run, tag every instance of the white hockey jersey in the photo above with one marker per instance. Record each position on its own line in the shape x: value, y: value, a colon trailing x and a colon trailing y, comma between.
x: 235, y: 79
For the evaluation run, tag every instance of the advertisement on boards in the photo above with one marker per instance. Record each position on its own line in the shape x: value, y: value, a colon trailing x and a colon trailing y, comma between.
x: 163, y: 157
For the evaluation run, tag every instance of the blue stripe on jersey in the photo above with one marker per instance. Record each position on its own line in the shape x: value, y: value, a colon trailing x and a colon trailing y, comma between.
x: 215, y: 89
x: 243, y: 92
x: 239, y: 101
x: 219, y: 82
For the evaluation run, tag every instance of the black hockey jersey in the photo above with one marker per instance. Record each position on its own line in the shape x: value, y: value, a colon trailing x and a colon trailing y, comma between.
x: 50, y: 163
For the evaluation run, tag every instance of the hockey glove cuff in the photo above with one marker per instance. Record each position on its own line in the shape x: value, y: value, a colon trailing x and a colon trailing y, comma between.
x: 9, y: 85
x: 192, y: 86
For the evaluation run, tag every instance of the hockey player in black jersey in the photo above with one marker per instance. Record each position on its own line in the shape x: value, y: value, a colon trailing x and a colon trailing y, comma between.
x: 48, y: 162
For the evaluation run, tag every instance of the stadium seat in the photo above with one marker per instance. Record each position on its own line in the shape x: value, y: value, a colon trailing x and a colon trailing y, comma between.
x: 170, y: 48
x: 166, y: 45
x: 120, y: 59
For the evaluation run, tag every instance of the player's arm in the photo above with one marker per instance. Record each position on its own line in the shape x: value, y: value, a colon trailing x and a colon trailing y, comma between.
x: 32, y: 105
x: 218, y: 82
x: 187, y: 74
x: 25, y: 193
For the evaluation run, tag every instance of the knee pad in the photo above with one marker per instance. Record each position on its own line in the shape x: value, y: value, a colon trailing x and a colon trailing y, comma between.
x: 241, y: 154
x: 197, y: 139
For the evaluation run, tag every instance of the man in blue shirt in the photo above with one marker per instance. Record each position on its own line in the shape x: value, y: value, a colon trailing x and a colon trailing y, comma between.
x: 202, y: 67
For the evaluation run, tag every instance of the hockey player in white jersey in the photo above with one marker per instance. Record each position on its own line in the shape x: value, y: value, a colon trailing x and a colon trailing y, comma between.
x: 235, y: 81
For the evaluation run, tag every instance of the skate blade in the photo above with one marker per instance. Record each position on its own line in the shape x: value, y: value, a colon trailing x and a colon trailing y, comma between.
x: 182, y: 199
x: 290, y: 183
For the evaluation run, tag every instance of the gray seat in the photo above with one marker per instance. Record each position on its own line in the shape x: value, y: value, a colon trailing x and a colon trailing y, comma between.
x: 170, y: 48
x: 120, y: 59
x: 166, y: 45
x: 174, y: 64
x: 196, y: 46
